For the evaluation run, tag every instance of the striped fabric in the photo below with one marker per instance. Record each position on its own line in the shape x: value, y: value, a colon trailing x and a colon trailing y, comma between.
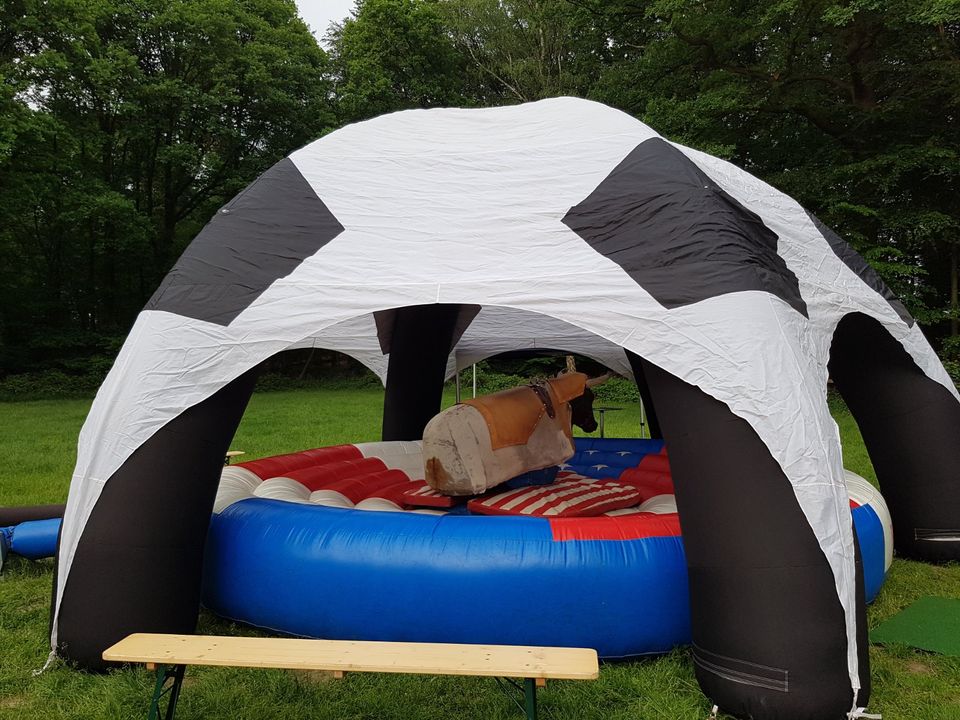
x: 571, y: 496
x: 426, y: 496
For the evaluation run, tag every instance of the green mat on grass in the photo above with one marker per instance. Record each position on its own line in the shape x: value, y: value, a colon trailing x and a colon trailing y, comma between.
x: 931, y: 623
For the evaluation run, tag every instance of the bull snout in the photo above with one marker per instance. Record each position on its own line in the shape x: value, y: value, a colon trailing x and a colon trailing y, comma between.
x: 588, y: 425
x: 581, y: 411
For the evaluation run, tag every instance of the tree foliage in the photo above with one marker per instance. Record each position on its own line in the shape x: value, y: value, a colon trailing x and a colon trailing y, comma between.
x: 850, y: 106
x: 395, y: 55
x: 526, y: 50
x: 125, y: 123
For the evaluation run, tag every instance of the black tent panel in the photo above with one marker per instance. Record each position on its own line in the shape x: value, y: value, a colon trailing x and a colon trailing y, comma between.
x: 386, y: 321
x: 678, y: 234
x: 421, y: 338
x: 138, y: 563
x: 769, y: 632
x: 643, y: 387
x: 261, y: 235
x: 911, y: 427
x: 852, y: 259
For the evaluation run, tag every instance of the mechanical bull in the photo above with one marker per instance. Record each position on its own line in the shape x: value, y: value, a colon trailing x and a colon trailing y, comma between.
x: 483, y: 442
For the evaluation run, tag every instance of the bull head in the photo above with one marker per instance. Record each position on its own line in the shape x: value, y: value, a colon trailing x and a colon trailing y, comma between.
x: 581, y: 408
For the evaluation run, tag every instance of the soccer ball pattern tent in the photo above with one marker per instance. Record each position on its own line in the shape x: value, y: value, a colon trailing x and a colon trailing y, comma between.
x: 425, y: 239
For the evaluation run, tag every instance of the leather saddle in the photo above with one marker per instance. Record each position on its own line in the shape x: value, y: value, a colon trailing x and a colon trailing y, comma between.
x: 512, y: 415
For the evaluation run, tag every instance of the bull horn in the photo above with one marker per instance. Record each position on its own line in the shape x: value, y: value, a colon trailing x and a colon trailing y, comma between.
x: 599, y: 380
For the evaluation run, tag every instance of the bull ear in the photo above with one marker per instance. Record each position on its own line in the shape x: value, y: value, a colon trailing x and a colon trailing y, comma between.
x: 599, y: 380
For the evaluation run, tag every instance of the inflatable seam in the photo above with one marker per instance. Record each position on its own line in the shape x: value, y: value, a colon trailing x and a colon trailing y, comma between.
x: 937, y: 534
x: 774, y: 678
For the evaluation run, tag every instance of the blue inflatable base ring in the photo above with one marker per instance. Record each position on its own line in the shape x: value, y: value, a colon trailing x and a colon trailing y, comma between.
x: 443, y: 579
x: 326, y: 572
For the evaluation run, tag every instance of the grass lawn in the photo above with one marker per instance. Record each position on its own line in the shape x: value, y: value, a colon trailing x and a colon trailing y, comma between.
x: 37, y: 439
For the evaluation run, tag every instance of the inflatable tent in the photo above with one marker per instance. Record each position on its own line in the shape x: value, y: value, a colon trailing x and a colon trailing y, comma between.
x: 424, y: 240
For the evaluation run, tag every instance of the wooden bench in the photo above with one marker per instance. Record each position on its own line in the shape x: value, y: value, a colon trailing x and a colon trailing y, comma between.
x: 169, y: 655
x: 231, y: 454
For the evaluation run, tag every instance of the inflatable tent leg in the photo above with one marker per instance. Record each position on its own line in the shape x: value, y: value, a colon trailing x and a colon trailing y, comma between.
x: 419, y: 347
x: 911, y: 427
x: 769, y: 637
x: 137, y: 565
x: 636, y: 364
x: 16, y: 515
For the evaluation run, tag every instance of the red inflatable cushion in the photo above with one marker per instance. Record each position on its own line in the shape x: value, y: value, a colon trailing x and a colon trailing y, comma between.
x: 655, y: 463
x: 394, y: 492
x: 279, y: 465
x: 651, y: 477
x: 321, y: 477
x: 648, y: 483
x: 366, y: 486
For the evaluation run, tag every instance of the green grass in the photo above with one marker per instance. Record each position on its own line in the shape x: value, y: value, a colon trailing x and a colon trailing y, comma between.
x: 38, y: 443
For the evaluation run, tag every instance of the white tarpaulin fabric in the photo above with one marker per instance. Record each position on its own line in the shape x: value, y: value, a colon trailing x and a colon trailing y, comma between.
x: 468, y: 206
x: 495, y: 330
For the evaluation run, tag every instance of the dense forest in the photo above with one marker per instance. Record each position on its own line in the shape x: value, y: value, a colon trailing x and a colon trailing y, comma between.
x: 124, y: 124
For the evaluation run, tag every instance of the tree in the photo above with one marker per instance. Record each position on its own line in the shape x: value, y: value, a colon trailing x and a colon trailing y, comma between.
x: 125, y: 123
x: 529, y: 49
x: 395, y: 55
x: 848, y: 105
x: 138, y: 120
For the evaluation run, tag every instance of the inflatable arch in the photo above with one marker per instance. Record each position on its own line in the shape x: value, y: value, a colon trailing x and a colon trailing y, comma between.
x: 423, y: 240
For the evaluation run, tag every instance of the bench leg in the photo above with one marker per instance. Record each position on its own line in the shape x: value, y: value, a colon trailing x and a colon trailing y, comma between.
x: 530, y: 698
x: 166, y: 673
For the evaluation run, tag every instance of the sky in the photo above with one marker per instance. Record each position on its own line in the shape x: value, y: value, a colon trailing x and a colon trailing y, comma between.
x: 320, y: 13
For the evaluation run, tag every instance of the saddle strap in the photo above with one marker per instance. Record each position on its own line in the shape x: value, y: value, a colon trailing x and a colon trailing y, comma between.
x: 543, y: 394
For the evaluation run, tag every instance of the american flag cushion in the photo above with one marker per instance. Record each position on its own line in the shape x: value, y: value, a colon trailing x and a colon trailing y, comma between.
x: 425, y: 496
x: 571, y: 496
